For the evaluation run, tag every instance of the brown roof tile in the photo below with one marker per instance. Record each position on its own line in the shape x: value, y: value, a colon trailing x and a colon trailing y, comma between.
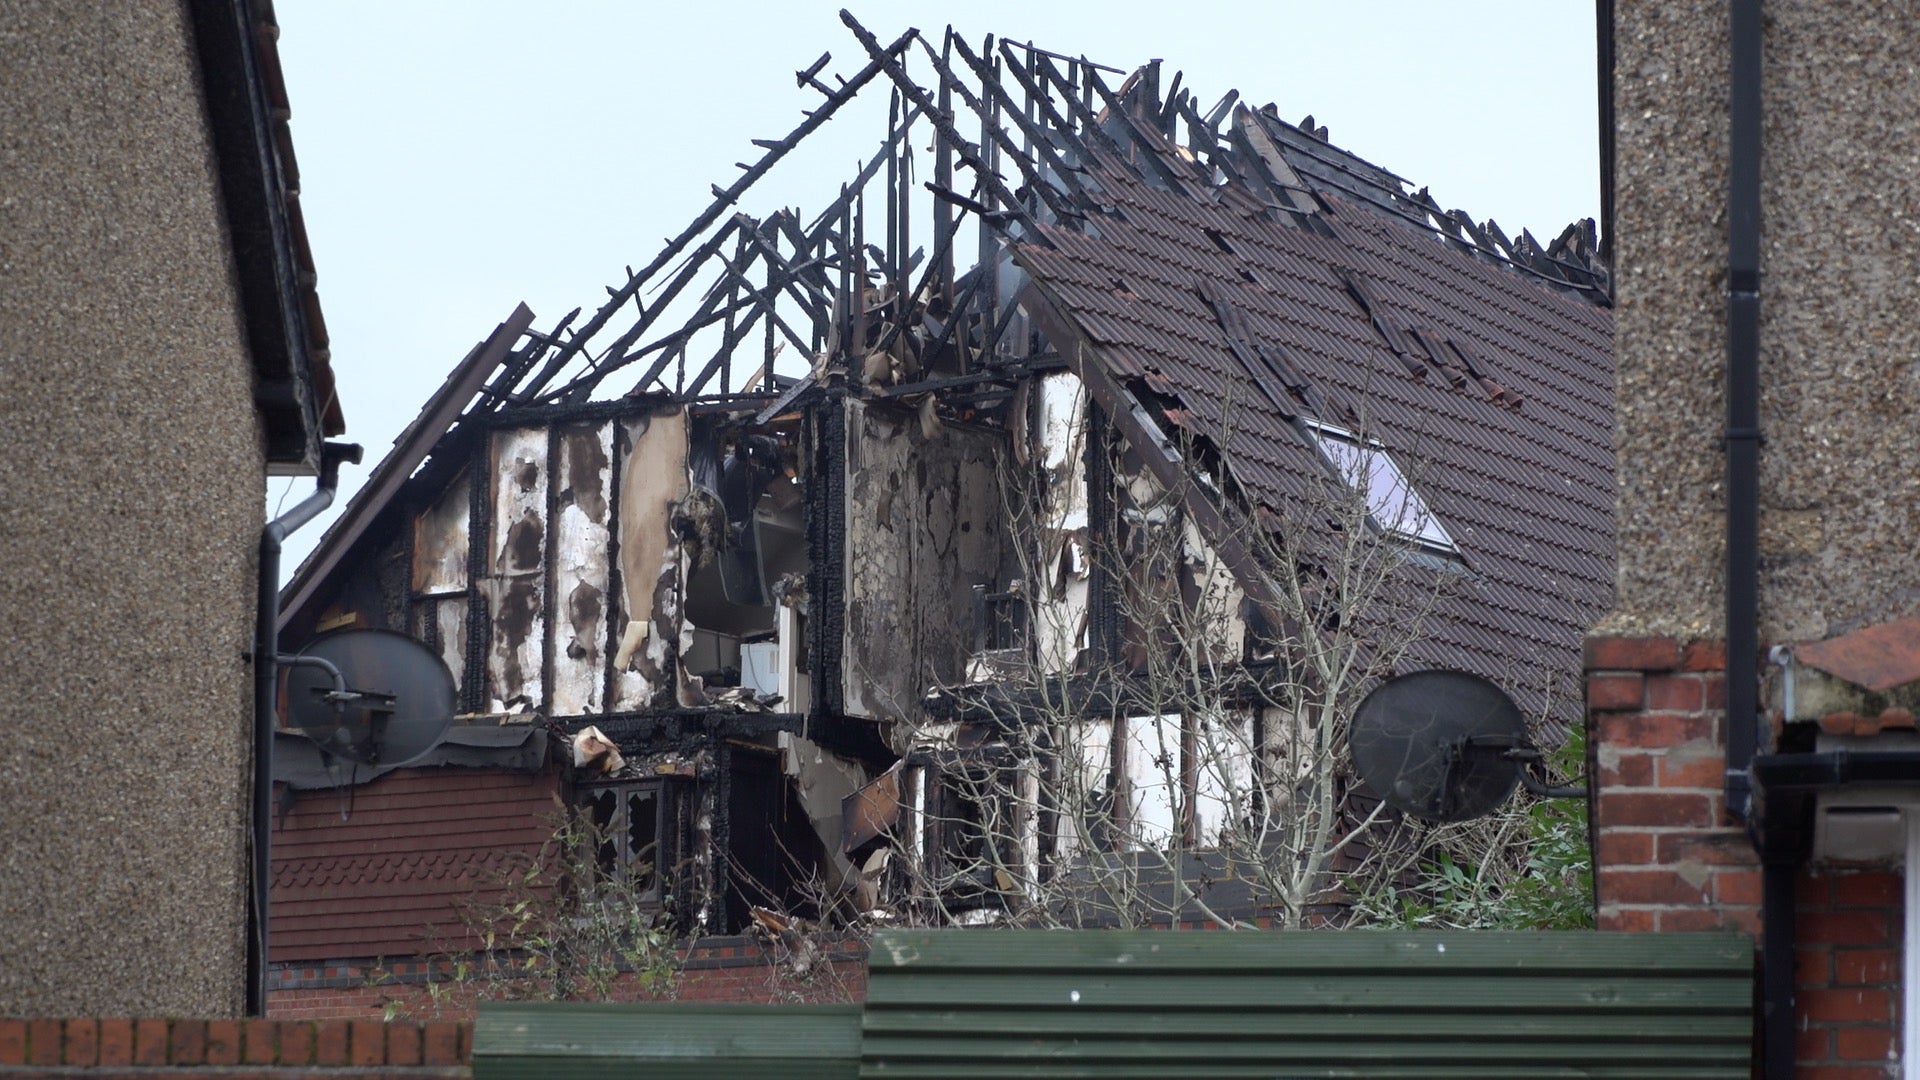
x: 1526, y: 491
x: 1876, y: 658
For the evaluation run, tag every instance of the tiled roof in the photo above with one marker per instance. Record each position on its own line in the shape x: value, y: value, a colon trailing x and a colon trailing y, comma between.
x: 1498, y: 382
x: 1852, y: 723
x: 383, y: 869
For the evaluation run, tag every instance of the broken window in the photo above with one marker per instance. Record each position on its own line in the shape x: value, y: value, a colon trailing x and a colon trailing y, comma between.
x: 1173, y: 778
x: 628, y: 836
x: 977, y: 829
x: 1392, y: 504
x: 742, y: 529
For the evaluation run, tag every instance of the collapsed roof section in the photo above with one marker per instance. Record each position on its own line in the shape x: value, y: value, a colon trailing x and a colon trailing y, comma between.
x: 1182, y: 260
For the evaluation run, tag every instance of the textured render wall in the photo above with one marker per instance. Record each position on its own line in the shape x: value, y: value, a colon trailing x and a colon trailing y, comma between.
x: 1841, y: 189
x: 130, y: 496
x: 1669, y: 356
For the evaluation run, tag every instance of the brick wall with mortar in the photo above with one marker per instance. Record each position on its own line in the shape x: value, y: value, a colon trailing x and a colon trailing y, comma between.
x: 1667, y: 859
x: 738, y: 970
x: 111, y: 1048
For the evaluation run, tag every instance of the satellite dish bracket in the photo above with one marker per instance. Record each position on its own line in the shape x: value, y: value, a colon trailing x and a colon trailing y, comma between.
x: 341, y: 695
x: 1528, y: 756
x: 398, y: 723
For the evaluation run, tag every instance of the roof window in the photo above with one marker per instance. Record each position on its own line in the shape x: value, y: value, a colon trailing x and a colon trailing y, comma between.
x: 1392, y: 504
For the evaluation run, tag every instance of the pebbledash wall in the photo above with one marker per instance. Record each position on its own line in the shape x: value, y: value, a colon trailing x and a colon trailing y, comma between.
x: 1839, y: 370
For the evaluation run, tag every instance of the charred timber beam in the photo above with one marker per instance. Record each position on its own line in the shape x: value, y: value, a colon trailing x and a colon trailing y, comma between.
x: 970, y: 152
x: 1089, y: 122
x: 646, y: 732
x: 767, y: 296
x: 428, y: 432
x: 1039, y: 96
x: 810, y: 273
x: 616, y: 409
x: 956, y: 318
x: 825, y: 447
x: 1224, y: 527
x: 786, y: 400
x: 1003, y: 102
x: 895, y: 267
x: 598, y: 369
x: 710, y: 312
x: 1149, y: 137
x: 518, y: 364
x: 781, y: 275
x: 723, y: 198
x: 817, y: 228
x: 943, y: 176
x: 941, y: 253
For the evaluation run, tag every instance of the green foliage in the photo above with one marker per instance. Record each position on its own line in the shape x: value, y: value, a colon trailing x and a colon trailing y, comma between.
x: 1544, y: 883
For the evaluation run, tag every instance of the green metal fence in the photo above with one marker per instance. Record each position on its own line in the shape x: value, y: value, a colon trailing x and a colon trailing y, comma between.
x: 1312, y: 1004
x: 1108, y: 1003
x: 665, y: 1041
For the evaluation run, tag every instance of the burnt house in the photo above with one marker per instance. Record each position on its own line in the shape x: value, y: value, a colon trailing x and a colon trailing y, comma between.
x: 752, y: 561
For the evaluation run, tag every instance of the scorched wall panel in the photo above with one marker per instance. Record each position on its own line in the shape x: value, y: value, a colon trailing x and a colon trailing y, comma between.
x: 518, y: 566
x: 580, y: 572
x: 925, y: 524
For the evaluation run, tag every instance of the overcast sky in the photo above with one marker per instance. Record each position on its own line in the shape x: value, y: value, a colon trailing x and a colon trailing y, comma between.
x: 457, y: 158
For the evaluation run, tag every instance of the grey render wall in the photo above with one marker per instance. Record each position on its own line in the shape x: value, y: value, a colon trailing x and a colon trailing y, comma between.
x: 131, y: 481
x: 1840, y: 374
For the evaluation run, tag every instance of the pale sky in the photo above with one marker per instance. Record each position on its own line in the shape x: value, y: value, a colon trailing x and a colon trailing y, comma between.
x: 457, y: 158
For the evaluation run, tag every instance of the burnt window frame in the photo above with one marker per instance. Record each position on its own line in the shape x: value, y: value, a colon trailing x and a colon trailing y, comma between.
x: 666, y: 839
x: 967, y: 777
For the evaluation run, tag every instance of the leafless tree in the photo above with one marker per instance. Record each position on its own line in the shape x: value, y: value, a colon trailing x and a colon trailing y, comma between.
x: 1181, y: 756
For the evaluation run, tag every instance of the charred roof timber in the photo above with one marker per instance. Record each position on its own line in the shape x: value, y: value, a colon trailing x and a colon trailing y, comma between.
x: 820, y: 297
x: 754, y: 317
x: 765, y: 509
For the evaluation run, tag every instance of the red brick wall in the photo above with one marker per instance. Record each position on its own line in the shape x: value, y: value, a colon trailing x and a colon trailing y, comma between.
x: 1847, y: 982
x: 105, y: 1049
x: 1665, y: 856
x: 1667, y: 859
x: 719, y: 969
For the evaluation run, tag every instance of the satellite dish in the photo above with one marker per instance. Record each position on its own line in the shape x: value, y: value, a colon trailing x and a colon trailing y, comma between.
x: 1440, y: 745
x: 371, y: 696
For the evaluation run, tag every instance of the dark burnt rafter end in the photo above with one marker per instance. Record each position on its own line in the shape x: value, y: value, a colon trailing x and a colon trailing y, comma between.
x: 431, y: 433
x: 1217, y: 517
x: 1060, y: 132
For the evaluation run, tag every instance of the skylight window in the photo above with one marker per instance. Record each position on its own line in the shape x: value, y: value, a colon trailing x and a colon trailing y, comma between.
x: 1392, y: 504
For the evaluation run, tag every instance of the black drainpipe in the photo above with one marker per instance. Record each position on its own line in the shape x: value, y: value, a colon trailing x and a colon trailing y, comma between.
x: 266, y: 679
x: 1743, y: 408
x: 1743, y: 523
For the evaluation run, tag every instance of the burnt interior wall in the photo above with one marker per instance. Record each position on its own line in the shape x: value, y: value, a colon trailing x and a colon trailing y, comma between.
x: 653, y: 481
x: 925, y: 523
x: 582, y: 520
